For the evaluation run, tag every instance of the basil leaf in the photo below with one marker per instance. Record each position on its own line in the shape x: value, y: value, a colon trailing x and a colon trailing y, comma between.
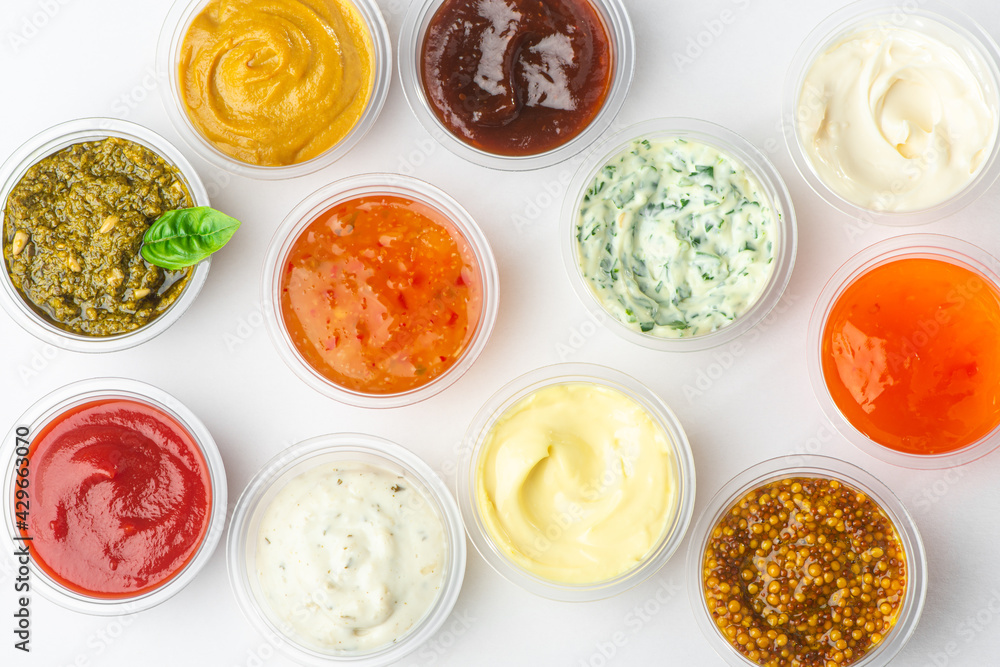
x: 184, y: 237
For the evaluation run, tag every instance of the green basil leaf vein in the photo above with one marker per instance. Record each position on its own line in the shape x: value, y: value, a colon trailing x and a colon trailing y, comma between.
x: 184, y: 237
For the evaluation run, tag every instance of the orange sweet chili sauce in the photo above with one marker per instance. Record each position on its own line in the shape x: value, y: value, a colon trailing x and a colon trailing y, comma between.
x: 381, y: 294
x: 911, y: 355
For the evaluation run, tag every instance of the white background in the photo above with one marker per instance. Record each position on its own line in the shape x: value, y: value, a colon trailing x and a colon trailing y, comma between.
x: 65, y: 59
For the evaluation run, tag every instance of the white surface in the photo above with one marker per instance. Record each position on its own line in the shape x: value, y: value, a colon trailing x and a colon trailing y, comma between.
x: 63, y: 59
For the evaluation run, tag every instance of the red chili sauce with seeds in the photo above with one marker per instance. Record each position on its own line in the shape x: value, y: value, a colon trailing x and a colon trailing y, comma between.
x: 381, y: 294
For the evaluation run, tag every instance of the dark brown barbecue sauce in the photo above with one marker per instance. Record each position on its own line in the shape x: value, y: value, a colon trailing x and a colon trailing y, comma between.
x: 516, y: 77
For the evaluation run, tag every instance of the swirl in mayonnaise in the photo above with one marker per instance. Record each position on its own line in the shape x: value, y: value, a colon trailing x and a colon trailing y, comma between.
x: 897, y: 119
x: 576, y: 483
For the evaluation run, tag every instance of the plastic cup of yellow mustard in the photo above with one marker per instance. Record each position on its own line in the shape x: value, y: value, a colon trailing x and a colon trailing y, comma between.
x: 274, y: 88
x: 892, y: 116
x: 576, y: 482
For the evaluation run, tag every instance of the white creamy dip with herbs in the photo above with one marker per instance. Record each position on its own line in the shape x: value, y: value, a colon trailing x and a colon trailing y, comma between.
x: 675, y: 238
x: 350, y: 556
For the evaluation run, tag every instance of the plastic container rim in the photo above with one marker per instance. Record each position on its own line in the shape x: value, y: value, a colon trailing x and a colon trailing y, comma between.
x: 322, y: 200
x: 59, y: 137
x: 171, y: 39
x: 933, y: 246
x: 853, y: 16
x: 304, y: 456
x: 809, y: 465
x: 411, y: 38
x: 55, y: 404
x: 737, y: 148
x: 575, y: 373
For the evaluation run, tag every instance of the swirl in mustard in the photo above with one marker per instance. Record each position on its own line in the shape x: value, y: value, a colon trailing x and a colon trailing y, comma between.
x: 276, y: 82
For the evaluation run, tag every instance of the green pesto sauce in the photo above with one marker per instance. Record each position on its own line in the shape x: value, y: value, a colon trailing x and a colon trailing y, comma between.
x: 73, y: 227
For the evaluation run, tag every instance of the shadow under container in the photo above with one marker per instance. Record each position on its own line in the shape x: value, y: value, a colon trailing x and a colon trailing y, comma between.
x: 729, y: 500
x: 742, y: 154
x: 374, y: 185
x: 681, y: 473
x: 52, y: 141
x: 341, y: 448
x: 921, y: 352
x: 60, y: 404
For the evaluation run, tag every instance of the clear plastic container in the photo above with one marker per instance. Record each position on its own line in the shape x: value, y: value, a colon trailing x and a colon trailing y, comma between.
x: 411, y: 40
x: 823, y: 468
x: 168, y: 54
x: 52, y: 141
x: 52, y: 407
x: 726, y: 142
x: 350, y: 188
x: 928, y: 246
x: 296, y: 460
x: 587, y: 374
x: 973, y: 44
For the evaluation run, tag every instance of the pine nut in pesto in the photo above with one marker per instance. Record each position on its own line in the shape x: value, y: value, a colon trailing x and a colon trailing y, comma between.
x: 675, y: 238
x: 72, y: 231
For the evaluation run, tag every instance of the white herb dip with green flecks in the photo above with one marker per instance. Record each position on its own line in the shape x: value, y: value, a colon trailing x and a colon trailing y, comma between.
x: 350, y: 556
x: 675, y: 238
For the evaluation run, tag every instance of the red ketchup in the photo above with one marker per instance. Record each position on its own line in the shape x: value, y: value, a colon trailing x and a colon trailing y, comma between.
x: 121, y: 498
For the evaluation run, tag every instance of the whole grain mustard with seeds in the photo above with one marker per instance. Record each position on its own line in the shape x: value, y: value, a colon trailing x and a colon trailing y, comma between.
x: 804, y: 572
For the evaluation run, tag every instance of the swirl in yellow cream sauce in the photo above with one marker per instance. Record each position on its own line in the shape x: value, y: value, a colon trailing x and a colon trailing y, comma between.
x: 576, y: 483
x: 276, y: 82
